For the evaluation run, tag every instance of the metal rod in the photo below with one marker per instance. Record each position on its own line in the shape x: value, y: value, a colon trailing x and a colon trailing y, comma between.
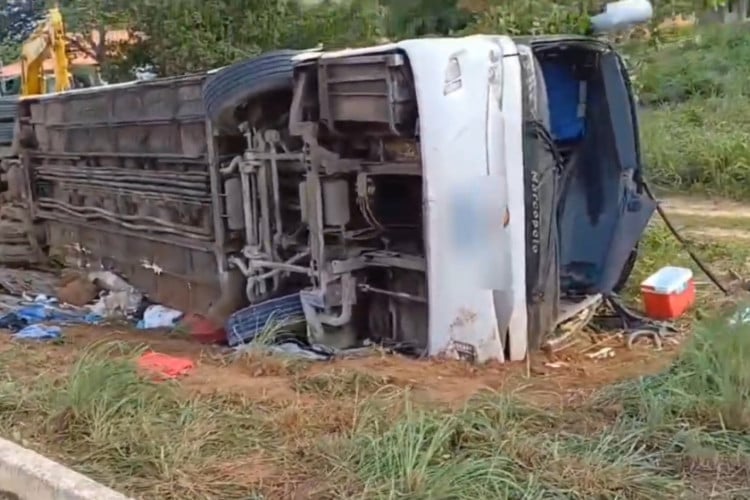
x: 399, y: 295
x: 247, y: 209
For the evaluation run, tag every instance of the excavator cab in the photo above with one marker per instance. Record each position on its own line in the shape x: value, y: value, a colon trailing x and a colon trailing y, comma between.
x: 80, y: 77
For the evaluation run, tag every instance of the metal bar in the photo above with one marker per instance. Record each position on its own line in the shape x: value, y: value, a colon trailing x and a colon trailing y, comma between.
x: 195, y: 175
x: 389, y: 293
x: 165, y: 157
x: 182, y: 120
x: 216, y: 200
x: 194, y: 244
x: 125, y: 185
x: 124, y: 221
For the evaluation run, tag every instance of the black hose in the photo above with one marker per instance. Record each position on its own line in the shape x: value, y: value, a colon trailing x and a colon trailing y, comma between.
x: 698, y: 262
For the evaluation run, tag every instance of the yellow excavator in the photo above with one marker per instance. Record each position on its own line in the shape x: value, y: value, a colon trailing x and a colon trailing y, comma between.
x: 47, y: 40
x: 30, y: 77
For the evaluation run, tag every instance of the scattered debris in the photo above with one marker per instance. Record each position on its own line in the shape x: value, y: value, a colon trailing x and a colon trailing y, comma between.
x: 39, y: 332
x: 164, y: 365
x: 158, y: 316
x: 573, y: 326
x: 108, y: 280
x: 742, y: 316
x: 272, y: 326
x: 77, y: 291
x: 633, y: 325
x: 27, y: 282
x: 603, y: 353
x: 556, y: 364
x: 291, y: 348
x: 114, y: 298
x: 41, y: 310
x: 117, y: 304
x: 658, y: 336
x: 9, y: 303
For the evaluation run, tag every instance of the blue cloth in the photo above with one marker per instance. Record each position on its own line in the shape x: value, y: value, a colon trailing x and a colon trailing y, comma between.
x: 39, y: 332
x: 42, y: 311
x: 92, y: 319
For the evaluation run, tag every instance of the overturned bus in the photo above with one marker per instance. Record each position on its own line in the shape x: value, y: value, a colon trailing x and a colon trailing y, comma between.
x: 463, y: 195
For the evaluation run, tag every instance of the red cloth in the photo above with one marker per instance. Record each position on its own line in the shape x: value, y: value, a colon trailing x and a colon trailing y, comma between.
x: 165, y: 365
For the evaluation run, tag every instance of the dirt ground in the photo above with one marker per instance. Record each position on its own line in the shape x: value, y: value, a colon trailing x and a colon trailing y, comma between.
x: 684, y: 206
x: 549, y: 379
x: 710, y: 219
x: 555, y: 378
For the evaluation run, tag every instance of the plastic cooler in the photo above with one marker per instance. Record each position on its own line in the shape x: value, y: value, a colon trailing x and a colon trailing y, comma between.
x: 668, y: 293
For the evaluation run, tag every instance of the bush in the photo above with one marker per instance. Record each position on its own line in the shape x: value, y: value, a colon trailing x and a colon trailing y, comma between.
x: 701, y: 144
x: 713, y: 61
x: 695, y: 112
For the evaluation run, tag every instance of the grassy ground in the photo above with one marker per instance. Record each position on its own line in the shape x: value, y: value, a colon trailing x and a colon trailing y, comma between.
x: 696, y: 111
x: 286, y: 429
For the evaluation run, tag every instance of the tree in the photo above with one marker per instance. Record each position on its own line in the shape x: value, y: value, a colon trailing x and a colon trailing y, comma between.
x: 89, y: 24
x: 415, y: 18
x: 183, y: 36
x: 90, y: 20
x: 192, y: 35
x: 18, y: 18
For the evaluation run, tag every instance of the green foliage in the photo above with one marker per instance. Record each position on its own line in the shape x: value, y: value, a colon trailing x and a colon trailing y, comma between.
x: 695, y: 125
x: 191, y: 35
x: 87, y: 15
x: 519, y: 17
x: 9, y: 52
x: 713, y: 61
x: 700, y: 144
x: 425, y: 17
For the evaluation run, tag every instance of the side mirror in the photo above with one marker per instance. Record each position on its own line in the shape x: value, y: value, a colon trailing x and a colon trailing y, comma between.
x: 622, y: 14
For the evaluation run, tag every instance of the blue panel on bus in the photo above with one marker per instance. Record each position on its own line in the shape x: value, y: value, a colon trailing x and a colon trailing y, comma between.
x: 563, y: 97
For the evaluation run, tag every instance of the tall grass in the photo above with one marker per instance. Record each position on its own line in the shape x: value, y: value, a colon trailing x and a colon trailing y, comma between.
x: 694, y: 122
x: 107, y: 420
x: 682, y: 432
x: 708, y: 387
x: 697, y: 414
x: 498, y: 448
x: 701, y: 144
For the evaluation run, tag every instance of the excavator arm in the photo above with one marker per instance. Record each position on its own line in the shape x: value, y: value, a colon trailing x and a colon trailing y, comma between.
x: 47, y: 39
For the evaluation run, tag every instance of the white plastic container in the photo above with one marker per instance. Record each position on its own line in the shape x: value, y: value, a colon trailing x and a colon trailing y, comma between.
x: 668, y: 293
